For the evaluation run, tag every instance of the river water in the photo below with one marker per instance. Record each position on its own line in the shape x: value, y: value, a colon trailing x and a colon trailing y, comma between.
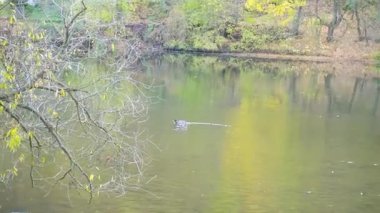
x: 300, y: 140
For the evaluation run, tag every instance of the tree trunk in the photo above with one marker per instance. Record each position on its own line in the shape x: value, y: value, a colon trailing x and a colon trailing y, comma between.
x: 337, y: 18
x: 296, y: 22
x: 357, y: 17
x: 365, y: 32
x: 316, y: 8
x: 119, y: 10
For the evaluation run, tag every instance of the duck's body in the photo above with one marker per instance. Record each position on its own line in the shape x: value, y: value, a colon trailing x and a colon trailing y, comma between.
x: 180, y: 124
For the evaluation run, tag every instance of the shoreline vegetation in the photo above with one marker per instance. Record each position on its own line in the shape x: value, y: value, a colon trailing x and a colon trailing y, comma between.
x: 343, y: 33
x: 302, y: 30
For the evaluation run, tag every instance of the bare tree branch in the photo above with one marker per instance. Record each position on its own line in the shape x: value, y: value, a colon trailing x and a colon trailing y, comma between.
x: 57, y: 138
x: 72, y: 20
x: 5, y: 5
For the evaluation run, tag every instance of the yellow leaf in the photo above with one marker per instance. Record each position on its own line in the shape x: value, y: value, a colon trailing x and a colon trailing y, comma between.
x: 91, y: 177
x: 87, y: 188
x: 30, y: 134
x: 4, y: 43
x: 21, y: 157
x: 62, y: 92
x: 12, y: 20
x: 55, y: 114
x: 113, y: 47
x: 14, y: 171
x: 14, y: 139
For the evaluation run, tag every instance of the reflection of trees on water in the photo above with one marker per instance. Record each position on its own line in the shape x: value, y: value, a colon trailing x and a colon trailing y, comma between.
x: 354, y: 91
x: 304, y: 86
x: 303, y: 91
x: 230, y: 76
x: 376, y: 103
x: 329, y: 92
x: 317, y: 91
x: 358, y: 87
x: 293, y: 88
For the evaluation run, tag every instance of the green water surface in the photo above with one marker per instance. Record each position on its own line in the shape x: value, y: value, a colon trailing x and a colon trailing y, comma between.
x: 300, y: 140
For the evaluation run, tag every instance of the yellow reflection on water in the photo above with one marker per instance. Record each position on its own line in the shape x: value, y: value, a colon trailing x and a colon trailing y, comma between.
x: 254, y: 153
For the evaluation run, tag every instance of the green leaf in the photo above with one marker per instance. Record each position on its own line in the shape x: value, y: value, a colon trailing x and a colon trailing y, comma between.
x: 3, y: 86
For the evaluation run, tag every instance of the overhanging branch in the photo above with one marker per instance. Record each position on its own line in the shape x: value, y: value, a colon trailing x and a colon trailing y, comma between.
x: 60, y: 143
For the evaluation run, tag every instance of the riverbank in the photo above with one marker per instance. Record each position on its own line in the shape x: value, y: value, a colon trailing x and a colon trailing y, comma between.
x: 268, y: 55
x: 356, y: 59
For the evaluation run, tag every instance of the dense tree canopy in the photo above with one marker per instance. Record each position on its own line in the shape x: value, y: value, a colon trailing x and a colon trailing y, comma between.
x: 253, y: 24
